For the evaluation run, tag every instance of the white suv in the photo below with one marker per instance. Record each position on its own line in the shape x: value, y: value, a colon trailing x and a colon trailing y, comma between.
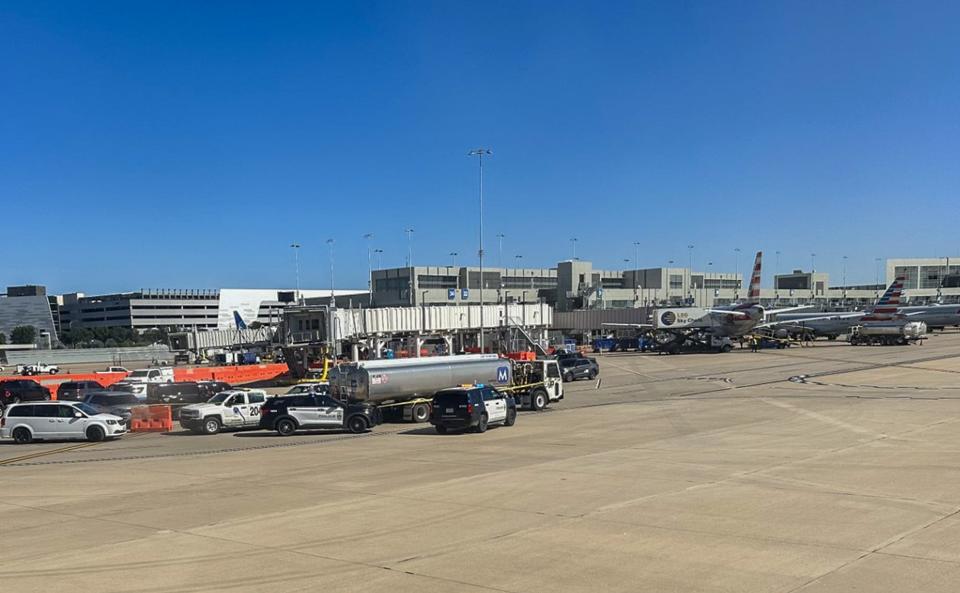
x: 58, y: 420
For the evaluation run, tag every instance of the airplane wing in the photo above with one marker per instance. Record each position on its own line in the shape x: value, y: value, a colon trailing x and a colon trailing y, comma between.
x: 800, y: 322
x: 727, y: 312
x: 785, y: 309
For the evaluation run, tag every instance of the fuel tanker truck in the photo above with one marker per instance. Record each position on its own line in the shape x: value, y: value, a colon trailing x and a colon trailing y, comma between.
x: 888, y: 334
x: 403, y: 388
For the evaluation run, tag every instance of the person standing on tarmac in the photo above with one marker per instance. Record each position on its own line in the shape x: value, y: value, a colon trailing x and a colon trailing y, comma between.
x: 754, y: 344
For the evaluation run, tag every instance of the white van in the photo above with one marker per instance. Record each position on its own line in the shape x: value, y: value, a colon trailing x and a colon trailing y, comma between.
x: 58, y: 420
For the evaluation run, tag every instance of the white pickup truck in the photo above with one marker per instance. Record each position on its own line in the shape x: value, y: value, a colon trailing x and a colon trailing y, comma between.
x: 138, y: 380
x: 39, y: 369
x: 236, y: 408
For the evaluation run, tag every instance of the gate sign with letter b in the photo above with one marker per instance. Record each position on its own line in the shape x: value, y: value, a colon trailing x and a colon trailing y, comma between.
x: 503, y: 375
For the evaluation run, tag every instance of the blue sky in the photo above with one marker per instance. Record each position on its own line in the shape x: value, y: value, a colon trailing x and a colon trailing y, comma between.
x: 186, y: 144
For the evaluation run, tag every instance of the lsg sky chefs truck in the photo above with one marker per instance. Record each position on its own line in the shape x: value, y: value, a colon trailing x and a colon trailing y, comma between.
x: 403, y: 388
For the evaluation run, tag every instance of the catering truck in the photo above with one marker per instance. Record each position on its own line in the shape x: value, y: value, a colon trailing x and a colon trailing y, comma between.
x: 403, y: 388
x: 888, y: 333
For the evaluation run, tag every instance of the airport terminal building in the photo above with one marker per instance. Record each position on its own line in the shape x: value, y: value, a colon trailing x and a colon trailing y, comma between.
x: 184, y: 309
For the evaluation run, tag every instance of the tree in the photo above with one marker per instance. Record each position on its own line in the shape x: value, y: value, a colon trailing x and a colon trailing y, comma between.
x: 3, y: 338
x: 23, y: 334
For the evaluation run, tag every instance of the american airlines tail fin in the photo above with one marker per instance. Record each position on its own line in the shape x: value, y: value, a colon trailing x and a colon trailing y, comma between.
x: 887, y: 305
x: 753, y: 295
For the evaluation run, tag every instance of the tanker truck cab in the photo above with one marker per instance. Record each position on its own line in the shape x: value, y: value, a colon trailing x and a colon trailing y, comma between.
x: 536, y: 383
x: 235, y: 408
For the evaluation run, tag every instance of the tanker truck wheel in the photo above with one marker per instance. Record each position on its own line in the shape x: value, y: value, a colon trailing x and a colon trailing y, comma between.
x: 421, y: 413
x: 538, y: 399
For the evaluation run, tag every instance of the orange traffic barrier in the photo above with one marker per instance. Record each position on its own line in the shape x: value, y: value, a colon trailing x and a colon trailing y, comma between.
x: 524, y: 356
x: 151, y: 419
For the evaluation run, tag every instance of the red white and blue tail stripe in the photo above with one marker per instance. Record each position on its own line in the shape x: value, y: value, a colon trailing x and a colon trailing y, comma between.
x: 888, y: 304
x: 753, y: 295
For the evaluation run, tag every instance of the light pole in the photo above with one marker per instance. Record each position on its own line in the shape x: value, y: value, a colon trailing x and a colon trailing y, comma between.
x: 709, y: 270
x: 500, y: 237
x: 636, y: 266
x: 736, y: 292
x: 369, y: 236
x: 813, y: 263
x: 333, y: 300
x: 379, y: 254
x: 690, y: 267
x: 453, y: 258
x: 813, y: 270
x: 573, y: 241
x: 409, y: 232
x: 517, y: 259
x: 776, y: 272
x: 843, y: 275
x: 669, y: 279
x: 296, y: 257
x: 479, y: 153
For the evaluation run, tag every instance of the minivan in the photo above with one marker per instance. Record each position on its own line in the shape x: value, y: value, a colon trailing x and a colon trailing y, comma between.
x: 58, y: 420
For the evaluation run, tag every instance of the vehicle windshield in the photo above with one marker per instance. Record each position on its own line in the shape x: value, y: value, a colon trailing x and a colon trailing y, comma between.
x: 219, y: 398
x: 568, y: 362
x: 135, y: 374
x: 87, y: 409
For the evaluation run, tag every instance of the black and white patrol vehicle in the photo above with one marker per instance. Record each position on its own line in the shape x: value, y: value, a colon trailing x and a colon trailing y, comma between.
x: 290, y: 413
x: 472, y: 407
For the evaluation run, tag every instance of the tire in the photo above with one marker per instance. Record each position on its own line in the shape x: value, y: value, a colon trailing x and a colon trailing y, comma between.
x: 568, y: 378
x: 211, y: 425
x: 482, y: 426
x: 286, y: 427
x: 95, y: 434
x: 441, y: 429
x: 22, y: 436
x: 357, y: 424
x: 54, y: 371
x: 539, y: 399
x: 592, y: 374
x: 420, y: 413
x: 726, y: 348
x: 511, y: 418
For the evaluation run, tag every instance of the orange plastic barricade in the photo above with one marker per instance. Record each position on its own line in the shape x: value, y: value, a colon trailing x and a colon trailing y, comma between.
x: 151, y: 419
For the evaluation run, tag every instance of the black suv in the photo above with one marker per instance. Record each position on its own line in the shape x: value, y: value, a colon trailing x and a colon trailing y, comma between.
x: 22, y: 390
x: 184, y: 392
x: 579, y: 368
x: 287, y: 414
x: 472, y: 408
x: 76, y: 390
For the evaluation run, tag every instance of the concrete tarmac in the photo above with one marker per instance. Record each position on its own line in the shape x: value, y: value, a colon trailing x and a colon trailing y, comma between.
x: 824, y: 469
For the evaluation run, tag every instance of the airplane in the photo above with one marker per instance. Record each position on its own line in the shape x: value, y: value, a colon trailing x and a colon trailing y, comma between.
x: 716, y: 323
x: 887, y: 308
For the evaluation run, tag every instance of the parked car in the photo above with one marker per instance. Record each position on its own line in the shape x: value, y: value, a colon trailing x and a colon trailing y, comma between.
x: 58, y: 420
x: 579, y: 368
x: 76, y: 390
x: 184, y: 392
x: 22, y: 390
x: 118, y: 403
x: 288, y: 413
x: 473, y: 407
x: 234, y: 408
x: 115, y: 370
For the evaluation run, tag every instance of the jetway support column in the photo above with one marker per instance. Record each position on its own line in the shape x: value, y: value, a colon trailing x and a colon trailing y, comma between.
x: 448, y: 340
x: 419, y: 343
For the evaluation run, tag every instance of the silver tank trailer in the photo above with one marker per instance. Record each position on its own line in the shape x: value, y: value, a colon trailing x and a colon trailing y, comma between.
x: 377, y: 381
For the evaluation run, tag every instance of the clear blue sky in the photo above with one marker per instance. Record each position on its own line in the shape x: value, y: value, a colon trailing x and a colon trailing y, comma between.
x: 187, y: 144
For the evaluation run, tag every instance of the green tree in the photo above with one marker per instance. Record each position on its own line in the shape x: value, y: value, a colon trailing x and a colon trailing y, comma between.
x: 3, y: 338
x: 23, y: 334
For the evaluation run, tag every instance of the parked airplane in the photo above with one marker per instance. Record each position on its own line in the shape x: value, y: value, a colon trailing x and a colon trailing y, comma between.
x: 712, y: 324
x: 831, y: 325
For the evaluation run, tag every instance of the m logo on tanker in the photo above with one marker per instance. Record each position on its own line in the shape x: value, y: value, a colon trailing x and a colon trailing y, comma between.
x: 503, y: 375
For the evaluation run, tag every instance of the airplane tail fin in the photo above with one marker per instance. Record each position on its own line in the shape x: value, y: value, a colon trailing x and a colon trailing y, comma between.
x: 239, y: 320
x: 753, y: 295
x: 887, y: 305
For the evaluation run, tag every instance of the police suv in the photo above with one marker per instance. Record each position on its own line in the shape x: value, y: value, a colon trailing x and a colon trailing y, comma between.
x: 234, y: 408
x: 289, y: 413
x: 472, y: 407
